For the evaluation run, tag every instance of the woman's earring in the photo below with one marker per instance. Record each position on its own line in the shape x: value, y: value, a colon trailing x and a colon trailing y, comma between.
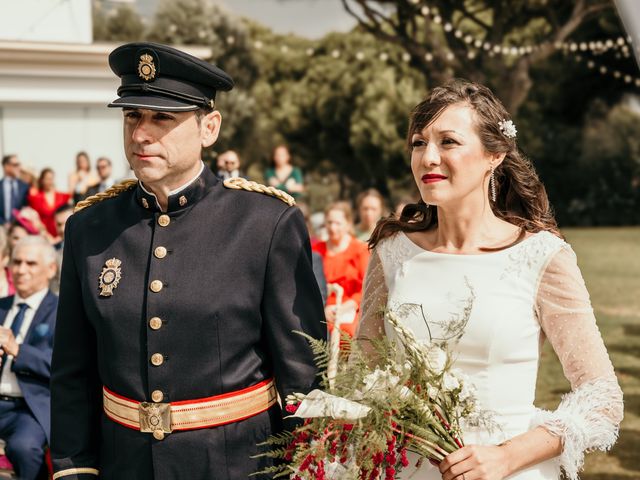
x: 492, y: 184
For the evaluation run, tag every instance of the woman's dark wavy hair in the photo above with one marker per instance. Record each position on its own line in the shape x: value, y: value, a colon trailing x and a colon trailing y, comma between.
x: 521, y: 198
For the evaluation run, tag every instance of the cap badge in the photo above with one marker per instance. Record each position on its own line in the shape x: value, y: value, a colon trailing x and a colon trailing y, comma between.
x: 146, y: 67
x: 110, y: 277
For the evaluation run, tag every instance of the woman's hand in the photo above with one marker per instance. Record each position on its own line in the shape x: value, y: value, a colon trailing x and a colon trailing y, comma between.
x: 476, y: 462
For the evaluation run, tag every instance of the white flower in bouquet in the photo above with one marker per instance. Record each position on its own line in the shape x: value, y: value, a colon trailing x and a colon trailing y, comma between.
x: 433, y: 392
x: 450, y: 382
x: 467, y: 391
x: 436, y: 357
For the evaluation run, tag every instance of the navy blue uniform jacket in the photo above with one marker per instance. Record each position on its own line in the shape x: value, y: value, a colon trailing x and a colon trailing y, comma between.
x: 237, y: 281
x: 32, y: 366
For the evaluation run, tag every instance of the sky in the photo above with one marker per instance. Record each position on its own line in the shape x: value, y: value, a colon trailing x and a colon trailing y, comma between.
x: 308, y: 18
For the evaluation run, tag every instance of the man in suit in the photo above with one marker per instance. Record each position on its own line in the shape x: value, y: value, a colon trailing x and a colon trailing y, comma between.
x: 104, y: 173
x: 26, y: 338
x: 13, y: 191
x: 179, y: 298
x: 231, y: 165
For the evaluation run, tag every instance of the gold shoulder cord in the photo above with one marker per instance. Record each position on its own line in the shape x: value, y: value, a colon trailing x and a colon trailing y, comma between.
x: 242, y: 184
x: 114, y: 191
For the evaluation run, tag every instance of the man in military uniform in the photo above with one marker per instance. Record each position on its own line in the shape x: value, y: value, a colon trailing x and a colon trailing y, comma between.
x: 179, y: 297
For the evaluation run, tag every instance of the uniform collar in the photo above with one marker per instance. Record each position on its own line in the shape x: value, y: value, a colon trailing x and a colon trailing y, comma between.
x: 180, y: 198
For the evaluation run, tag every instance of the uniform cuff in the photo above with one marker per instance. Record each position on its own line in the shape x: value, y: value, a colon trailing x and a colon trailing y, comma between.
x: 82, y: 473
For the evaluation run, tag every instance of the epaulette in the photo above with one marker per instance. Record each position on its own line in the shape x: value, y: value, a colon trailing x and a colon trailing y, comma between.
x: 242, y: 184
x: 114, y: 191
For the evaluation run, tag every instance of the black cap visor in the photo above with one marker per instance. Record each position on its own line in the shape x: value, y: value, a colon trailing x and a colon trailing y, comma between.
x: 149, y: 102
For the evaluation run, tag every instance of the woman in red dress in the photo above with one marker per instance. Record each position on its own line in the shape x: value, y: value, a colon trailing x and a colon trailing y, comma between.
x: 46, y: 200
x: 345, y: 260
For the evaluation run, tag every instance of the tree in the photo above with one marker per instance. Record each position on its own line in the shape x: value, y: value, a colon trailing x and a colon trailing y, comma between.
x: 611, y: 164
x: 470, y: 38
x: 199, y: 22
x: 122, y: 24
x: 344, y: 108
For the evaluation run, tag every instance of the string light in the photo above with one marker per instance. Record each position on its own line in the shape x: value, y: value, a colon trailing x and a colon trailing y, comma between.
x: 477, y: 46
x: 599, y: 46
x: 604, y: 70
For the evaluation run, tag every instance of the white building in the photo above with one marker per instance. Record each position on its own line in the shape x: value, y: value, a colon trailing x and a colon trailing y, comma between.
x: 55, y: 85
x: 53, y: 99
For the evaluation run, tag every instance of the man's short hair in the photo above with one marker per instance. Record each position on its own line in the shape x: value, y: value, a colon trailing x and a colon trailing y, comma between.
x: 7, y: 158
x: 201, y: 113
x: 103, y: 159
x: 47, y: 250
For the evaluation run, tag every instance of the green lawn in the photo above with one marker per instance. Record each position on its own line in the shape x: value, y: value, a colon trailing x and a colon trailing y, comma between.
x: 610, y: 262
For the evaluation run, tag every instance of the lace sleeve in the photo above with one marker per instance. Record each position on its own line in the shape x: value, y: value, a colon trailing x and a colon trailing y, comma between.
x: 374, y: 301
x: 588, y: 417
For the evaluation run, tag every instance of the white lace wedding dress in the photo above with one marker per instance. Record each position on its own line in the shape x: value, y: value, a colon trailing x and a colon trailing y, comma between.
x: 518, y: 297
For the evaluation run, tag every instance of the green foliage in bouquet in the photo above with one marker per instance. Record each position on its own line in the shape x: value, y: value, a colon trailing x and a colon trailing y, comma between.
x: 389, y: 396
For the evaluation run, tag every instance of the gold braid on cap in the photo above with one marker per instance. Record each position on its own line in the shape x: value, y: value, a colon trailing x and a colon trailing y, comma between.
x: 242, y: 184
x: 114, y: 191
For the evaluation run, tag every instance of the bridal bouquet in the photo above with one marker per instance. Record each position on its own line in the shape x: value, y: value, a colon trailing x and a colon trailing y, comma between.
x: 396, y: 396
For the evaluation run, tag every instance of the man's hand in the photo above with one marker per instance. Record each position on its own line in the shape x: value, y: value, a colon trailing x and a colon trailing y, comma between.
x: 8, y: 342
x: 330, y: 313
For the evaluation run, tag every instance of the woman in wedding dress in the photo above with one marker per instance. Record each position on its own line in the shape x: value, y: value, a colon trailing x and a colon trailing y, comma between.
x: 482, y: 264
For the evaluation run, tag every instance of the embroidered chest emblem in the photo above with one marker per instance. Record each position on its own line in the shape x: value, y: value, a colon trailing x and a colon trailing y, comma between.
x: 110, y: 277
x: 146, y: 67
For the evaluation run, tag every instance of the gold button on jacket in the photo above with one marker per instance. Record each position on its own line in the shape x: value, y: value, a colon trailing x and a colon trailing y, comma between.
x: 157, y: 359
x: 164, y: 220
x: 156, y: 286
x: 155, y: 323
x: 160, y: 252
x: 157, y: 396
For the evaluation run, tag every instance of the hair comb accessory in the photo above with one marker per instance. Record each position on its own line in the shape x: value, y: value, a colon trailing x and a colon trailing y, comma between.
x: 507, y: 128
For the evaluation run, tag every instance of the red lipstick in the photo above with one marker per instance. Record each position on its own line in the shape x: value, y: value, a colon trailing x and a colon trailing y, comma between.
x: 432, y: 178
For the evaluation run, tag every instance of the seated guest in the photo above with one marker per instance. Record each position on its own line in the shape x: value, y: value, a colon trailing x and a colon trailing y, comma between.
x: 316, y: 258
x: 230, y: 162
x: 104, y: 172
x: 46, y: 200
x: 61, y: 216
x: 82, y: 178
x: 26, y: 339
x: 15, y: 233
x: 282, y: 174
x: 6, y: 282
x: 345, y: 260
x: 13, y: 191
x: 370, y: 206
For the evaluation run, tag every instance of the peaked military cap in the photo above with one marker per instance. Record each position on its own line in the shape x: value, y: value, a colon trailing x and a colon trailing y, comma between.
x: 159, y: 77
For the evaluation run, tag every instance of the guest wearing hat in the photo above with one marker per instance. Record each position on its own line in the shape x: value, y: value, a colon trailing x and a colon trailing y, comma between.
x: 179, y: 294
